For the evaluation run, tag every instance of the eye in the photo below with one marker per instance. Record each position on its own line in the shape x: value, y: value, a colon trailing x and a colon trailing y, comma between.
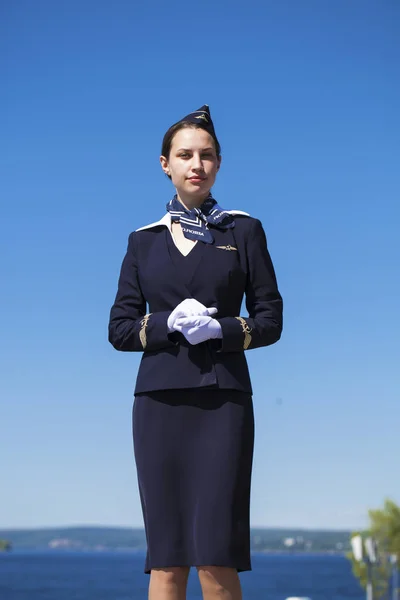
x: 184, y: 155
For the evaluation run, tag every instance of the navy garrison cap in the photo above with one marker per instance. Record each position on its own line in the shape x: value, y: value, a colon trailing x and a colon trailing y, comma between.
x: 201, y: 117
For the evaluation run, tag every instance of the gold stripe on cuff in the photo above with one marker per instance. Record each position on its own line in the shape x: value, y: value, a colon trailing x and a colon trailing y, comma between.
x: 247, y: 331
x: 142, y: 332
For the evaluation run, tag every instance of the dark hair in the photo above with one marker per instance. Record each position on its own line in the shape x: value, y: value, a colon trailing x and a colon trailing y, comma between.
x: 168, y: 137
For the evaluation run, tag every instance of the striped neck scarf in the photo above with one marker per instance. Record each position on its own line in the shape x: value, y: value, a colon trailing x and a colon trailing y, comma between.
x: 195, y: 222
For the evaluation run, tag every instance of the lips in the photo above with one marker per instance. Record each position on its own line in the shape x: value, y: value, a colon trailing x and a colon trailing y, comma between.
x: 196, y: 178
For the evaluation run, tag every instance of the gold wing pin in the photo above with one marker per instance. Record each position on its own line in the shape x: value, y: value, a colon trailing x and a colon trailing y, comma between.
x: 229, y: 248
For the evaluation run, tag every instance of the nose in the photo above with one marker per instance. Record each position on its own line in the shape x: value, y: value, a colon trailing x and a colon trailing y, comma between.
x: 197, y: 163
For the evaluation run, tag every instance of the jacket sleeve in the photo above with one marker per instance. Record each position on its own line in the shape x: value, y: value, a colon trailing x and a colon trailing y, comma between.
x: 263, y: 326
x: 130, y: 329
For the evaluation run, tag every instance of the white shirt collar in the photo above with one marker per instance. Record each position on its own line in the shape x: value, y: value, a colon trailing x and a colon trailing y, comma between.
x: 166, y: 220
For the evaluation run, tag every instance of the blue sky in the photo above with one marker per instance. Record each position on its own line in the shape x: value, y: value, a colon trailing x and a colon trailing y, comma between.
x: 305, y: 99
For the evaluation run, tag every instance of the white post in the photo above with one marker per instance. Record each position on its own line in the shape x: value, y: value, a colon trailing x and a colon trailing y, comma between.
x: 370, y: 589
x: 371, y: 558
x: 395, y: 578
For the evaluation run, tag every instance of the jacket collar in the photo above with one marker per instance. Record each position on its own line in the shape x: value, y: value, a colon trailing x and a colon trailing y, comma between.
x: 166, y: 220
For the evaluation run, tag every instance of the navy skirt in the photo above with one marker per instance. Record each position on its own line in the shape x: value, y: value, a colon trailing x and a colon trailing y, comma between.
x: 194, y: 452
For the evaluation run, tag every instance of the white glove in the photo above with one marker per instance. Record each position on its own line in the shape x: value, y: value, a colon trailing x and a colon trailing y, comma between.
x: 198, y: 329
x: 188, y: 308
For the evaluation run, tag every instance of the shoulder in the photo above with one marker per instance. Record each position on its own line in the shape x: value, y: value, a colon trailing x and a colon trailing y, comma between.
x: 246, y: 225
x: 148, y: 231
x: 164, y: 222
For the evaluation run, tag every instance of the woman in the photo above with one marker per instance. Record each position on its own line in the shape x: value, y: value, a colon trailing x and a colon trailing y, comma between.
x: 193, y: 423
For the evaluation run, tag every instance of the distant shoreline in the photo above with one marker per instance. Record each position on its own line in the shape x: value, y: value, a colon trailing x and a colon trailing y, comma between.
x: 142, y: 551
x: 102, y: 539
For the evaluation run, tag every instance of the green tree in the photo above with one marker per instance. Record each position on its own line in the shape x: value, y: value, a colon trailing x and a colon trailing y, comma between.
x: 4, y: 545
x: 385, y: 529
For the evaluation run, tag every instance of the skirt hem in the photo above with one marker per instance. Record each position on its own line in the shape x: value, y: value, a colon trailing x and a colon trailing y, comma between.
x: 173, y: 564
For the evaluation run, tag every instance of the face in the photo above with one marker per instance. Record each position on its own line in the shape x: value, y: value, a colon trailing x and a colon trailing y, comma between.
x: 192, y: 164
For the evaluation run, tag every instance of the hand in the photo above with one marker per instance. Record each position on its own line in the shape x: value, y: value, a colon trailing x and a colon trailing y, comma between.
x: 198, y: 329
x: 188, y: 308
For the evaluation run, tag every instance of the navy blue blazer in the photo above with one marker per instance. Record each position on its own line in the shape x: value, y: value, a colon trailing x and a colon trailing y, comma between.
x: 151, y: 285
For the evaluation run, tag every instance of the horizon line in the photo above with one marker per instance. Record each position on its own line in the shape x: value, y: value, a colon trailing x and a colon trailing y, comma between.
x: 141, y: 527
